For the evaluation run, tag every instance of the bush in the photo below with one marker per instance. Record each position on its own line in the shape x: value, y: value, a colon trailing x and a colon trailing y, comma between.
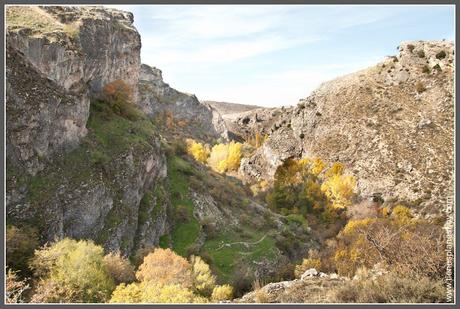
x: 390, y: 288
x: 163, y: 266
x: 71, y: 271
x: 298, y: 219
x: 306, y: 265
x: 20, y: 246
x: 202, y: 279
x: 410, y: 47
x: 118, y: 96
x: 426, y: 69
x: 153, y: 293
x: 420, y: 87
x: 421, y: 54
x: 441, y: 55
x: 119, y: 268
x: 181, y: 213
x: 221, y: 293
x: 14, y: 288
x: 403, y: 244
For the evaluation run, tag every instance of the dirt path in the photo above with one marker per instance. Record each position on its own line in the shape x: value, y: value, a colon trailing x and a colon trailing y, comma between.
x: 244, y: 243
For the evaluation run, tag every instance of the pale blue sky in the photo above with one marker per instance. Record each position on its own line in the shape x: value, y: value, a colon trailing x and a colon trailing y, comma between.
x: 275, y: 55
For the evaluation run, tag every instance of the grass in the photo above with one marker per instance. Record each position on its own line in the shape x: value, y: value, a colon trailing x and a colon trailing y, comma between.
x: 227, y: 259
x: 184, y: 234
x: 38, y: 21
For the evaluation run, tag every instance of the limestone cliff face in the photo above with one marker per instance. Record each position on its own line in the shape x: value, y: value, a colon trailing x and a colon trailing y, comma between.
x: 58, y: 58
x: 158, y: 99
x: 392, y: 125
x: 73, y: 50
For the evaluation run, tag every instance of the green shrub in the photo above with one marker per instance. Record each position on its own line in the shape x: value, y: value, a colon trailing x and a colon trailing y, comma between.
x: 421, y: 54
x: 410, y: 47
x: 441, y: 55
x: 426, y: 69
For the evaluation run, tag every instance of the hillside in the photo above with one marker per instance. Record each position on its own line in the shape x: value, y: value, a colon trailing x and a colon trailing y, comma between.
x: 117, y: 173
x: 122, y: 189
x: 391, y: 125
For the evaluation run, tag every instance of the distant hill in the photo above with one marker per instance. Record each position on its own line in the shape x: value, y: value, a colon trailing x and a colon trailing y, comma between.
x: 226, y: 108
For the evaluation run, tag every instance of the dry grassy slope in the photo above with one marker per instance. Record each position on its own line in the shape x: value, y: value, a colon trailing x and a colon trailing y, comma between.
x: 392, y: 125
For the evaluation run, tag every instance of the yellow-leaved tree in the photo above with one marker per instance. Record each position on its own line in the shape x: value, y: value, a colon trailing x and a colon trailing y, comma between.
x: 225, y: 157
x: 202, y: 279
x: 197, y: 150
x: 71, y: 271
x: 339, y: 189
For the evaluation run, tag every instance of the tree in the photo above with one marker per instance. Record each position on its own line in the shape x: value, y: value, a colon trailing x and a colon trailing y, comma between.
x: 71, y: 271
x: 203, y: 280
x: 119, y: 268
x: 163, y: 266
x: 149, y: 292
x: 118, y: 96
x: 339, y: 189
x: 197, y: 150
x: 225, y: 157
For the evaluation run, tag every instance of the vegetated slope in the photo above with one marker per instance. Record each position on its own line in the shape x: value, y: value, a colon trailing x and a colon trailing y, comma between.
x: 391, y: 125
x: 215, y: 216
x: 94, y: 151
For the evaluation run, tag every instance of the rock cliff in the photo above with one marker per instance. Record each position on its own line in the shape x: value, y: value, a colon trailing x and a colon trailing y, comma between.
x: 158, y: 99
x: 56, y: 45
x: 71, y: 170
x: 392, y: 126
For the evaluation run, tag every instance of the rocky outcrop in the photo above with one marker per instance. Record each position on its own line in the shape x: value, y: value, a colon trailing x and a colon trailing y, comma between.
x: 55, y: 45
x: 391, y: 125
x: 54, y: 68
x: 311, y: 289
x: 158, y: 99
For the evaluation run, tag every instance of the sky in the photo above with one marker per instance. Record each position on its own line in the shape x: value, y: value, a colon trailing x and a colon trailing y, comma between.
x: 274, y: 55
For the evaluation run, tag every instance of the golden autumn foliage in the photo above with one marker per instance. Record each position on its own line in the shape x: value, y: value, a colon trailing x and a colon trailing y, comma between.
x: 202, y: 279
x: 163, y: 266
x: 221, y: 293
x: 306, y: 185
x: 409, y: 246
x: 71, y: 271
x: 225, y: 157
x: 197, y: 150
x: 402, y: 214
x: 149, y: 292
x: 337, y: 168
x: 339, y: 189
x: 165, y: 277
